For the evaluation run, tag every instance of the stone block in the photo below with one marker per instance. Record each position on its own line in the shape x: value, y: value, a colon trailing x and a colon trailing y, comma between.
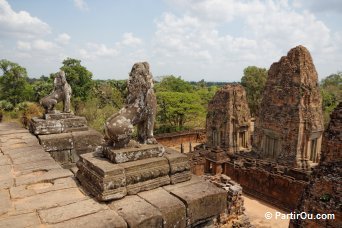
x: 203, y: 201
x: 101, y: 178
x: 40, y: 126
x: 146, y: 174
x: 172, y: 209
x: 73, y: 123
x: 55, y: 142
x: 137, y: 212
x: 86, y: 141
x: 179, y: 166
x: 133, y: 154
x: 62, y: 156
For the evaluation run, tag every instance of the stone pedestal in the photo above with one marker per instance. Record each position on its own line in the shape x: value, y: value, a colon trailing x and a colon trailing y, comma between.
x: 113, y: 173
x: 65, y: 136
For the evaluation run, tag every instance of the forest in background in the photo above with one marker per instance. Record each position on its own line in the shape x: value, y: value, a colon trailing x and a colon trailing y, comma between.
x: 182, y: 105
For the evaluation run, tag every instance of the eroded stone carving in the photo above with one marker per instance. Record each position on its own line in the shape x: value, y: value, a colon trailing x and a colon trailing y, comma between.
x: 61, y: 92
x: 140, y: 110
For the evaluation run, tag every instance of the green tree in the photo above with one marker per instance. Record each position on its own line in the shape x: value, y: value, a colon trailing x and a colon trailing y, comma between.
x: 108, y: 94
x: 41, y: 88
x: 176, y: 109
x: 79, y: 78
x: 331, y: 90
x: 13, y: 82
x: 173, y: 84
x: 254, y: 80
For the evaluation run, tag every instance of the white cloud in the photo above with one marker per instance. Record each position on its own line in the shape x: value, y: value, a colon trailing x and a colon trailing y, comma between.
x: 43, y: 45
x: 23, y: 46
x: 20, y: 23
x: 95, y: 50
x: 267, y: 30
x: 63, y: 38
x: 81, y: 5
x: 130, y: 40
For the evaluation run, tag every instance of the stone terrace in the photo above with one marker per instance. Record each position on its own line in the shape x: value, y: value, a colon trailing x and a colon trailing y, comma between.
x: 35, y: 191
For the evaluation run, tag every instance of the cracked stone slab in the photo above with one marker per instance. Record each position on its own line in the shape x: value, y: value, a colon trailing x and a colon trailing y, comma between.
x: 15, y: 153
x: 42, y: 176
x: 71, y: 211
x: 6, y: 177
x: 31, y: 158
x: 5, y: 200
x: 23, y: 191
x: 24, y: 220
x: 48, y: 200
x: 25, y: 168
x: 4, y: 160
x: 107, y: 218
x: 137, y: 212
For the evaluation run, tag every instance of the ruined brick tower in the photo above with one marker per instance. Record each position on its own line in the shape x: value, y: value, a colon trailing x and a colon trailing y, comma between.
x: 290, y: 125
x: 228, y: 119
x: 323, y: 194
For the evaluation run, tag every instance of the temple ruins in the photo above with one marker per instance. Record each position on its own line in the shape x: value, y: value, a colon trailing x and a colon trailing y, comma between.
x: 290, y: 123
x: 227, y: 125
x: 286, y: 142
x: 323, y: 193
x: 228, y: 120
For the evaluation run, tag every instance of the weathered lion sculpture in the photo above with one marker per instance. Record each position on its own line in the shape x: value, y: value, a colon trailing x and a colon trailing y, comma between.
x: 140, y: 110
x: 61, y: 92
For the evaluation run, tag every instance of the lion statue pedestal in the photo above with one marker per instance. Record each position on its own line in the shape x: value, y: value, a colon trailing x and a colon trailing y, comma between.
x: 124, y: 166
x: 62, y: 134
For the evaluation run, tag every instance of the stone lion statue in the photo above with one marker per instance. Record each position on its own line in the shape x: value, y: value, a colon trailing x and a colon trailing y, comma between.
x: 61, y: 92
x: 139, y: 110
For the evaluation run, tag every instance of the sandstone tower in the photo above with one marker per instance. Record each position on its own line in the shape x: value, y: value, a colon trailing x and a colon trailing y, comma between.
x: 290, y: 124
x: 228, y: 119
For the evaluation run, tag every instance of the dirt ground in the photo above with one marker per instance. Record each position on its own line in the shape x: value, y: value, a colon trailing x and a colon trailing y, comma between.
x: 256, y: 209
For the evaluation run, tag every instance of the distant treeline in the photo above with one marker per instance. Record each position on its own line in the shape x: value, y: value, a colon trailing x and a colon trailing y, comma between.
x: 182, y: 105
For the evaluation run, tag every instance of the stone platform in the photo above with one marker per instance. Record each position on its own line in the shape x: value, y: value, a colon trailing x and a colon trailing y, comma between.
x: 65, y: 136
x: 107, y: 181
x: 35, y: 191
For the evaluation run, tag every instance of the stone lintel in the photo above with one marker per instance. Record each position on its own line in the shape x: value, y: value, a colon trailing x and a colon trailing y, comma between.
x: 133, y: 154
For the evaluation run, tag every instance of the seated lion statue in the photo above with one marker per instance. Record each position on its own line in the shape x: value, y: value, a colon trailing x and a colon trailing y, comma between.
x: 61, y: 92
x: 139, y: 110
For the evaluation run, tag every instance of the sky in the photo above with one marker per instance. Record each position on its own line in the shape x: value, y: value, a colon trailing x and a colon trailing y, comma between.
x: 212, y: 40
